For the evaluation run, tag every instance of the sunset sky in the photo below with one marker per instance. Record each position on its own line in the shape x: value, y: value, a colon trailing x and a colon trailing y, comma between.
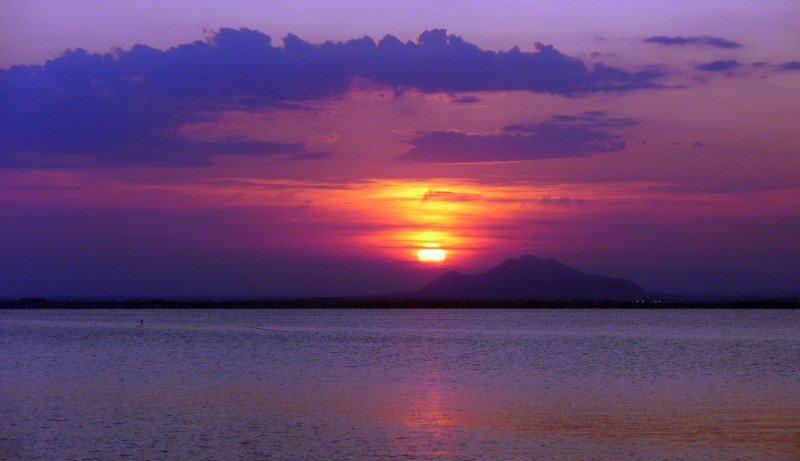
x: 310, y: 148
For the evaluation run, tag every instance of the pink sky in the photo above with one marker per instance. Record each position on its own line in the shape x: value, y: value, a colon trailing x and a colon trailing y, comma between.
x: 676, y: 168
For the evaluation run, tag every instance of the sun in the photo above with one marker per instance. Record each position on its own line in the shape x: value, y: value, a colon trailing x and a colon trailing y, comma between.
x: 431, y: 253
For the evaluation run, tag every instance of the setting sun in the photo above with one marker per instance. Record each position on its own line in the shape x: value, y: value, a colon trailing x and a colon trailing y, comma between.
x: 431, y: 253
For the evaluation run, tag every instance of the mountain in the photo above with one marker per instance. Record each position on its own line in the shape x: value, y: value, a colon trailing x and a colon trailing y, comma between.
x: 530, y: 278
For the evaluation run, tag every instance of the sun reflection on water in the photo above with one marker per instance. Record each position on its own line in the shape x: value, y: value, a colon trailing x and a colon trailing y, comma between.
x: 429, y: 413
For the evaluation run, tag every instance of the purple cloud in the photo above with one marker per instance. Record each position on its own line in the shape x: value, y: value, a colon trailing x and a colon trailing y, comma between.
x: 719, y: 66
x: 790, y: 65
x: 122, y: 106
x: 470, y: 99
x: 704, y: 40
x: 561, y: 201
x: 595, y: 119
x: 560, y: 137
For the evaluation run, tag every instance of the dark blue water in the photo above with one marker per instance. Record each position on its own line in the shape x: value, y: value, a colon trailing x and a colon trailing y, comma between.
x: 400, y: 384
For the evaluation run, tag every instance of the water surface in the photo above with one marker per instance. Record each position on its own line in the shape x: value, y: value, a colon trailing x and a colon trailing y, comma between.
x: 400, y: 384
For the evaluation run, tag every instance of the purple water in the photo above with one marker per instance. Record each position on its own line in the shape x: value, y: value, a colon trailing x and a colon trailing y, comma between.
x: 400, y: 384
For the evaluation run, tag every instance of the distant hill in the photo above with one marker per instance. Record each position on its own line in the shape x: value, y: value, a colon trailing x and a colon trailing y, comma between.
x: 530, y: 278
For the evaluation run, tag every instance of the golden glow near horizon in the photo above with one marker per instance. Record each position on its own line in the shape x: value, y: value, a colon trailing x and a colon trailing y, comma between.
x: 423, y: 218
x: 431, y: 253
x: 388, y: 219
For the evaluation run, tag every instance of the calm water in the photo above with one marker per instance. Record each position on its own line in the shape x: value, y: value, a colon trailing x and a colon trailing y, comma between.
x: 400, y: 384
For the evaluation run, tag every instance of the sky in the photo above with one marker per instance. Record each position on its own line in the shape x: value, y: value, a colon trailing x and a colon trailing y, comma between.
x: 246, y: 149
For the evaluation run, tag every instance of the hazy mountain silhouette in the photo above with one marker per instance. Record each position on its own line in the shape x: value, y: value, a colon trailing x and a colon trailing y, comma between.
x: 530, y: 278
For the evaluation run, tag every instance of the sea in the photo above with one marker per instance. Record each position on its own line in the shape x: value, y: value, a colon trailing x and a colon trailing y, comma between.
x: 396, y: 384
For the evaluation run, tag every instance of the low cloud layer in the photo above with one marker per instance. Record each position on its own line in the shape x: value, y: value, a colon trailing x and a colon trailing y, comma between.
x: 704, y: 41
x: 122, y: 106
x: 719, y: 66
x: 563, y: 136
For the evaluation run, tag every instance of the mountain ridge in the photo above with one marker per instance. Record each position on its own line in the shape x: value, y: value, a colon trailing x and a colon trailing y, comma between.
x: 529, y: 277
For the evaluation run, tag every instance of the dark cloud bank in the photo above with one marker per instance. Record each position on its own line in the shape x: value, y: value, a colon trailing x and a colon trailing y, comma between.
x: 120, y: 107
x: 563, y: 136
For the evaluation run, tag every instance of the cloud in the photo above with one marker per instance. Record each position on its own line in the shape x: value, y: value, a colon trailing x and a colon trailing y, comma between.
x: 447, y: 63
x: 719, y: 66
x: 563, y: 136
x: 124, y: 106
x: 790, y: 65
x: 163, y: 151
x: 595, y: 119
x: 561, y: 201
x: 325, y: 138
x: 449, y: 196
x: 703, y: 40
x: 466, y: 99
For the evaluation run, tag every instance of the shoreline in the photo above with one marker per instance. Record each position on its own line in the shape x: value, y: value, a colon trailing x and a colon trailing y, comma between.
x: 396, y: 303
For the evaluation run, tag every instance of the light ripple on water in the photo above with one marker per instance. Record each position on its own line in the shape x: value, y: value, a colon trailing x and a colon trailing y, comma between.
x: 400, y: 384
